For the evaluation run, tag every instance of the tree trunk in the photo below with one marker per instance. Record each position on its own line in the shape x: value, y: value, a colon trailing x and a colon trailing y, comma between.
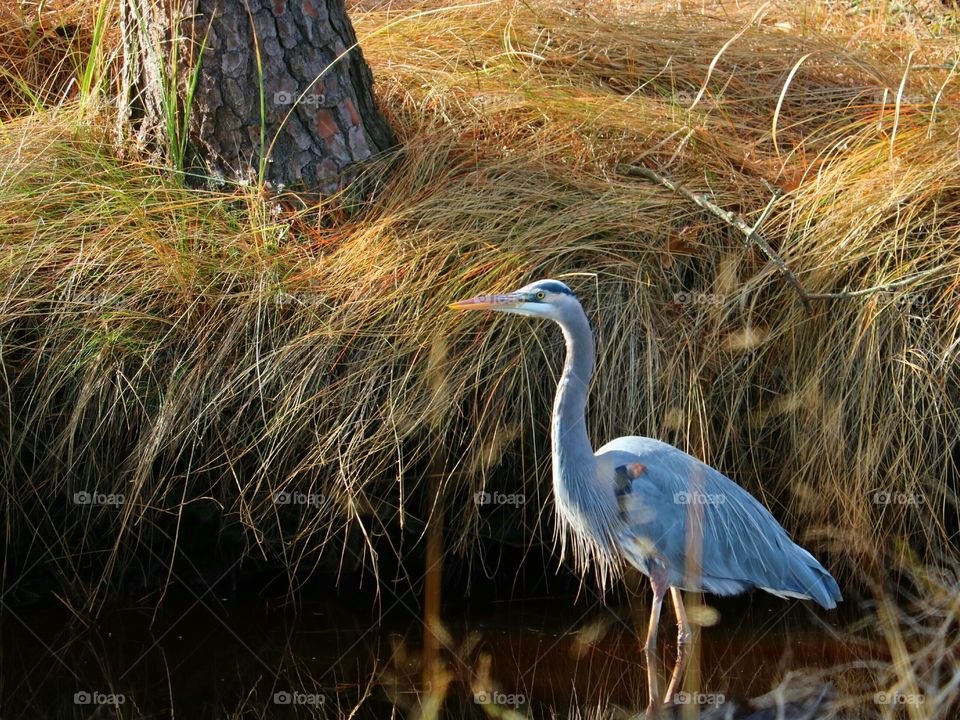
x: 297, y: 60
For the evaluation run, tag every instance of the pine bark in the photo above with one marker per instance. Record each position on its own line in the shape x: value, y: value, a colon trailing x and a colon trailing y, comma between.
x: 297, y: 60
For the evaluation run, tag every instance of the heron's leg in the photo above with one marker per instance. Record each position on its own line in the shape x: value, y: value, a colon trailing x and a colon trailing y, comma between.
x: 650, y: 647
x: 683, y: 625
x: 683, y: 637
x: 679, y: 668
x: 658, y: 595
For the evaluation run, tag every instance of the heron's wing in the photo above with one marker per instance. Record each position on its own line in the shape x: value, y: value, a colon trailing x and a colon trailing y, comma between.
x: 663, y: 493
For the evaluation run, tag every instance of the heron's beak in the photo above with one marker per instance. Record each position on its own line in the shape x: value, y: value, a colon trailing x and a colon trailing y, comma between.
x: 488, y: 302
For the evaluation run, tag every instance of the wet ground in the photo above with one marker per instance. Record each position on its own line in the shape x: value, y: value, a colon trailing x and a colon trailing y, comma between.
x: 202, y: 656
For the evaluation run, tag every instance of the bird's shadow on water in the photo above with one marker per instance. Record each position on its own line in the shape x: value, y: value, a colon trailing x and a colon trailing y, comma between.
x: 331, y: 656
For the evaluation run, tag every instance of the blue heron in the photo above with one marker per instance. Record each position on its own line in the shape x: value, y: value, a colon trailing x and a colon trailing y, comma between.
x: 641, y: 501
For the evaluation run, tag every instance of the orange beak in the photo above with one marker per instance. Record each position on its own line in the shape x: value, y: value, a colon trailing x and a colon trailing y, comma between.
x: 487, y: 302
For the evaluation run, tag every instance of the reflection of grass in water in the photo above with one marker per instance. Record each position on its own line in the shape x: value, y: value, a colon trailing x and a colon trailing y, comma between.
x: 921, y: 681
x: 171, y: 344
x: 582, y: 662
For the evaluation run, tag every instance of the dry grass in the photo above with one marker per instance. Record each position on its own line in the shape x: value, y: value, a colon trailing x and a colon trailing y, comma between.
x: 42, y: 48
x: 196, y: 350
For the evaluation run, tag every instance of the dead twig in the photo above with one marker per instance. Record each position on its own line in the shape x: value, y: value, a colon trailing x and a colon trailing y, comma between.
x: 849, y: 294
x: 733, y: 219
x: 752, y: 235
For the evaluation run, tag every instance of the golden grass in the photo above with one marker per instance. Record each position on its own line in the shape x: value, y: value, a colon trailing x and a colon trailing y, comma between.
x: 41, y: 48
x: 196, y: 350
x: 175, y: 345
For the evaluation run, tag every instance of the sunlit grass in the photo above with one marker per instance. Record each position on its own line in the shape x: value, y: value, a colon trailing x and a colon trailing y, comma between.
x: 189, y: 347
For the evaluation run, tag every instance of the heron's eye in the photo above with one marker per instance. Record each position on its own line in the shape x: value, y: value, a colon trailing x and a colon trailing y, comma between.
x: 541, y: 295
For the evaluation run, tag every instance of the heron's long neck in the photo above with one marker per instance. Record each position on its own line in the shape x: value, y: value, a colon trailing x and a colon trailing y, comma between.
x: 572, y: 453
x: 583, y: 503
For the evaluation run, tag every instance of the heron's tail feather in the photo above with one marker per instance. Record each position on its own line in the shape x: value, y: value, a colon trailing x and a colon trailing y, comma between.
x: 811, y: 580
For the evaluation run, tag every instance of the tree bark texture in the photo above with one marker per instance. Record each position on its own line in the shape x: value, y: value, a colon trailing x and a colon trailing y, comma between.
x: 298, y: 58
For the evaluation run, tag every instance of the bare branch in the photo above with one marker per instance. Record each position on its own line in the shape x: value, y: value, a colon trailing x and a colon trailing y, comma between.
x: 733, y: 219
x: 847, y: 294
x: 752, y: 235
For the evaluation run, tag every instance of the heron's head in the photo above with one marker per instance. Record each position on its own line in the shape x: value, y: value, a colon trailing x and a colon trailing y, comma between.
x: 544, y: 298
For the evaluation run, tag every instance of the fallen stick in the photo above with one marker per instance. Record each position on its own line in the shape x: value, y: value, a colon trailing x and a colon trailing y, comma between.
x: 750, y: 231
x: 734, y: 220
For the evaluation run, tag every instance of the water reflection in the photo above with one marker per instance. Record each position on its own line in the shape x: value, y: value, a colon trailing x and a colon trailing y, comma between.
x: 330, y: 657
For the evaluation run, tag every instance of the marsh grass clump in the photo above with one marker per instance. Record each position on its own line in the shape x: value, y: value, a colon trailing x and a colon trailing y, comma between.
x: 277, y: 380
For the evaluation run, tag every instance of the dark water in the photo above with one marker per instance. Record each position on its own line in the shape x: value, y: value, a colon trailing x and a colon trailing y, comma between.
x: 329, y: 655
